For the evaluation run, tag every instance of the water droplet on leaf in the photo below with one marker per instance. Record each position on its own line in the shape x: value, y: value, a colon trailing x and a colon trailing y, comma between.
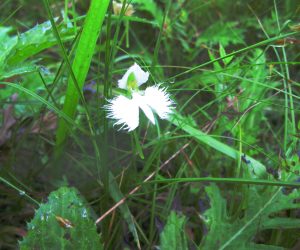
x: 22, y: 193
x: 84, y: 213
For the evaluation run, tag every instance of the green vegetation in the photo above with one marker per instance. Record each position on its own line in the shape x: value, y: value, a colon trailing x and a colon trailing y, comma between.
x: 203, y: 152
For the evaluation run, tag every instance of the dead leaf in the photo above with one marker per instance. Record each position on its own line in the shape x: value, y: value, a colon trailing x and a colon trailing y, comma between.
x: 46, y: 123
x: 8, y: 121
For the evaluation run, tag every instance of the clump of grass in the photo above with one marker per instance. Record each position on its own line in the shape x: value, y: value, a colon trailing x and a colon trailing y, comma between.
x: 221, y: 172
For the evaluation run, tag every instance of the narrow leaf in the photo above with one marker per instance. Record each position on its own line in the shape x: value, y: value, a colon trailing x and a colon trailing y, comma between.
x: 82, y: 61
x: 258, y: 168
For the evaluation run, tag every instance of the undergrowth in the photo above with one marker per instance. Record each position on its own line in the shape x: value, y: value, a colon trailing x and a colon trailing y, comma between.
x: 221, y: 170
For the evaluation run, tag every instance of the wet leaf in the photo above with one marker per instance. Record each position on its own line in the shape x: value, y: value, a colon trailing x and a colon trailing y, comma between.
x: 173, y: 235
x: 62, y: 223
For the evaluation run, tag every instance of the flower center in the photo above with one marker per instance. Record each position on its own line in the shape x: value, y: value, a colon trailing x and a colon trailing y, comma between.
x: 132, y: 82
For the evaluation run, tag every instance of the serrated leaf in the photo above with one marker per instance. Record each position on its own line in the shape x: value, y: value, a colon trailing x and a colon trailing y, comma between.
x: 151, y: 7
x: 6, y: 44
x: 35, y: 40
x: 24, y: 68
x: 223, y: 33
x: 62, y: 223
x: 173, y: 235
x: 262, y: 211
x: 4, y: 33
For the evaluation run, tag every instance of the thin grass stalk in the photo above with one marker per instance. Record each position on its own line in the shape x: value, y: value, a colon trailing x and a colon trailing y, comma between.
x: 20, y: 191
x: 243, y: 50
x: 179, y: 121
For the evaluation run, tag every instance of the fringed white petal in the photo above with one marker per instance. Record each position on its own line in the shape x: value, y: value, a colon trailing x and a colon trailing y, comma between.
x: 142, y: 103
x: 154, y: 99
x: 140, y: 76
x: 159, y: 101
x: 125, y: 111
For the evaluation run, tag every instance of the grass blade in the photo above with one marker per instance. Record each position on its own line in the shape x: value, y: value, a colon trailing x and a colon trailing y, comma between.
x: 241, y: 181
x: 180, y: 122
x: 82, y: 61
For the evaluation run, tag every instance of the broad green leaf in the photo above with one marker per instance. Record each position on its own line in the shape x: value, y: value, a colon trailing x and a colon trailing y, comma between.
x: 173, y: 236
x: 24, y: 68
x: 9, y: 72
x: 262, y: 211
x: 35, y: 40
x: 62, y: 223
x: 4, y: 33
x: 6, y: 44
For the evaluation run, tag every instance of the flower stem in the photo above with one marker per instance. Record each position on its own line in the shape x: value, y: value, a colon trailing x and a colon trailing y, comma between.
x: 138, y: 145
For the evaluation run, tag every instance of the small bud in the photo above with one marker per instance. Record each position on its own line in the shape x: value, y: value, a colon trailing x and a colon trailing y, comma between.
x: 117, y: 7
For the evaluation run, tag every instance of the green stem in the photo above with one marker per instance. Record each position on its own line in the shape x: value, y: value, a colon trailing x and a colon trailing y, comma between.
x: 21, y: 192
x: 138, y: 145
x: 259, y: 44
x: 241, y: 181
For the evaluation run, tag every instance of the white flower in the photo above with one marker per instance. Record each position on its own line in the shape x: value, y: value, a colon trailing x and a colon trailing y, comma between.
x: 159, y: 100
x: 125, y: 111
x: 133, y: 76
x: 153, y: 99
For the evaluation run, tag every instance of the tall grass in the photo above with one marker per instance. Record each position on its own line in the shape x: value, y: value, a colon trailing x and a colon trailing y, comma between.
x: 225, y: 161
